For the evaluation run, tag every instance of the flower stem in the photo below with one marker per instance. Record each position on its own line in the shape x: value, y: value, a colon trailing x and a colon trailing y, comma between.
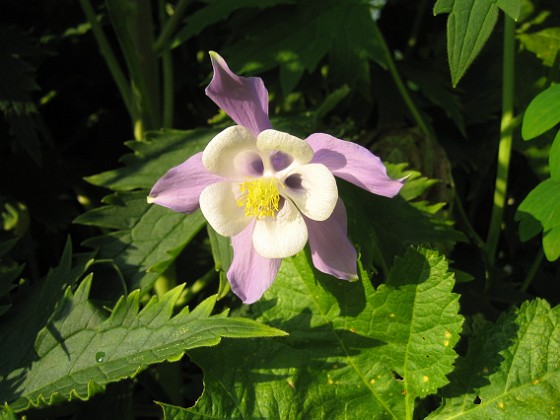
x: 167, y: 77
x: 504, y: 149
x: 532, y: 270
x: 107, y: 53
x: 132, y: 24
x: 170, y: 27
x: 400, y: 85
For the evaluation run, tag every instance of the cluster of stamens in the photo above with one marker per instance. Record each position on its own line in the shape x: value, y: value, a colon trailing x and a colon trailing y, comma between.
x: 259, y: 197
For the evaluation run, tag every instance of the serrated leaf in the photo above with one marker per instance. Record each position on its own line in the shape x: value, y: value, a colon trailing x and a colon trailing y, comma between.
x: 147, y: 238
x: 82, y: 350
x: 7, y: 413
x: 542, y: 114
x: 216, y: 11
x: 352, y: 351
x: 266, y: 42
x: 392, y: 225
x: 511, y: 370
x: 469, y: 25
x: 30, y: 312
x: 152, y: 157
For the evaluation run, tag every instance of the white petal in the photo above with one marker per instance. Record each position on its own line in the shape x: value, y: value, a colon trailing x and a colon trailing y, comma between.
x: 218, y: 204
x: 231, y: 153
x: 313, y: 189
x: 283, y: 236
x: 272, y: 140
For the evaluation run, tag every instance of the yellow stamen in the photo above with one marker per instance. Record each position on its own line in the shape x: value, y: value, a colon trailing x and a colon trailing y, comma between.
x: 260, y: 197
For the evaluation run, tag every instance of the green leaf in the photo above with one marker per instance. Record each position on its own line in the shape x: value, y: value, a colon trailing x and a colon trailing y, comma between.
x: 443, y: 6
x: 542, y: 205
x: 30, y: 312
x: 512, y: 8
x: 81, y: 349
x: 7, y: 413
x: 152, y: 157
x: 542, y: 114
x: 331, y: 101
x: 554, y: 158
x: 392, y: 225
x: 469, y: 25
x: 146, y: 240
x: 511, y: 370
x: 352, y: 351
x: 436, y: 90
x: 214, y: 12
x: 544, y: 44
x: 265, y: 41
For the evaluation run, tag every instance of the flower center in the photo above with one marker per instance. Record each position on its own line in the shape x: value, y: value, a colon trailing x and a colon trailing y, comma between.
x: 260, y: 197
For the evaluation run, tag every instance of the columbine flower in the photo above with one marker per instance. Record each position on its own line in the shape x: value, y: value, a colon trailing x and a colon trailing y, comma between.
x: 269, y: 191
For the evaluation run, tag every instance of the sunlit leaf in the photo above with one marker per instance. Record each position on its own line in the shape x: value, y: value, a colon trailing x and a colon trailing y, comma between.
x: 542, y: 114
x: 82, y: 349
x: 352, y: 351
x: 544, y: 44
x: 542, y: 205
x: 512, y: 369
x: 20, y: 326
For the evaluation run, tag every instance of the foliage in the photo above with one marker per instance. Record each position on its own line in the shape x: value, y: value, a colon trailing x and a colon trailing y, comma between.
x: 539, y: 211
x: 456, y: 310
x: 380, y: 349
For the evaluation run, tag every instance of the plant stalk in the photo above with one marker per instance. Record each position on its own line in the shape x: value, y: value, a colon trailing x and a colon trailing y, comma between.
x: 107, y: 52
x: 532, y: 271
x: 170, y: 27
x: 167, y: 77
x: 401, y: 86
x: 506, y: 137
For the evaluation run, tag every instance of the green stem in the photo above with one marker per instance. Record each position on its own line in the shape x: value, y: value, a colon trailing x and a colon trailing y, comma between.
x: 401, y: 86
x: 107, y: 53
x: 170, y: 27
x: 532, y: 270
x: 168, y: 81
x: 504, y: 149
x: 132, y: 24
x: 469, y: 230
